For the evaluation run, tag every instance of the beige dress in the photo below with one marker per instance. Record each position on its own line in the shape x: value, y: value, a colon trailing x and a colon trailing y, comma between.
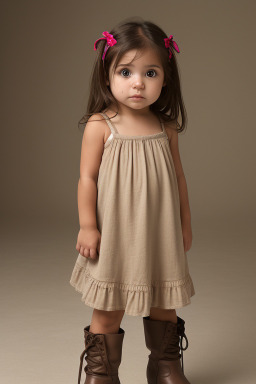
x: 142, y: 262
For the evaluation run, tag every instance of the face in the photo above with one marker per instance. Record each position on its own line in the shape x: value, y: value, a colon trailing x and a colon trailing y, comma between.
x: 143, y: 77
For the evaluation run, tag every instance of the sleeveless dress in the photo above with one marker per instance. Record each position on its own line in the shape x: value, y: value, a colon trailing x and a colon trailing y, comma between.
x: 141, y: 261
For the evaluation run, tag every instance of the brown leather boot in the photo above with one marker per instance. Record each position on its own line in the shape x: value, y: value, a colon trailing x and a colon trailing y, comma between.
x: 103, y: 357
x: 162, y: 339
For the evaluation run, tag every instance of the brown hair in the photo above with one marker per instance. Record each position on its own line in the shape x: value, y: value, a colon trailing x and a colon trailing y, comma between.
x: 136, y: 34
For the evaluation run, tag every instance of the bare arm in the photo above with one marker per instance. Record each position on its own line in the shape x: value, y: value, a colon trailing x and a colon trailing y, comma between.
x: 86, y: 197
x: 185, y: 213
x: 182, y: 184
x: 91, y: 154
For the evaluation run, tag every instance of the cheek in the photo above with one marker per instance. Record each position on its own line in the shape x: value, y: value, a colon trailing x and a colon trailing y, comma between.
x: 156, y: 89
x: 117, y: 84
x: 120, y: 86
x: 159, y: 85
x: 155, y: 85
x: 117, y: 88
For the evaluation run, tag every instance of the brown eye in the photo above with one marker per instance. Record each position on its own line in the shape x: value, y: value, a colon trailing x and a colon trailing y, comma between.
x: 152, y: 70
x: 124, y: 71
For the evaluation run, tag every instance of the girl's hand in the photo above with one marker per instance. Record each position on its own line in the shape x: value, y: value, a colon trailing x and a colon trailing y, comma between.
x: 88, y: 242
x: 187, y: 236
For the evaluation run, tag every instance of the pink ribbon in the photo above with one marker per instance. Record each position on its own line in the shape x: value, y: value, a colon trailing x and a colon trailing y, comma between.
x: 110, y: 42
x: 168, y: 42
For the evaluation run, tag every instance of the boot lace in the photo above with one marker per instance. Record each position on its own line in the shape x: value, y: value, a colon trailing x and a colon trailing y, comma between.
x: 92, y: 340
x: 181, y: 334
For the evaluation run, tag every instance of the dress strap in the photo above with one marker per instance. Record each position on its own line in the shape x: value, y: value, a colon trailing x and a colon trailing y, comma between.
x: 110, y: 124
x: 114, y: 130
x: 163, y: 128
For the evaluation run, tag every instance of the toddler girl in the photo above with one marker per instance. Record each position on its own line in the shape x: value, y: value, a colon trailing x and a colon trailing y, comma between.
x: 135, y: 222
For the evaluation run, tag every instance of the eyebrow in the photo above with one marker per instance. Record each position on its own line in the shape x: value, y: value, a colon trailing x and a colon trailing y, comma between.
x: 131, y: 65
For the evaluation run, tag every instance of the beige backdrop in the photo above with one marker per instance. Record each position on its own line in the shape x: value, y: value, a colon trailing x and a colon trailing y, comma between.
x: 47, y: 55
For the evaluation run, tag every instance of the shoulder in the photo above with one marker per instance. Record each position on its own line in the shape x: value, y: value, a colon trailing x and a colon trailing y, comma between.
x: 171, y: 130
x: 96, y: 119
x: 92, y: 147
x: 95, y: 127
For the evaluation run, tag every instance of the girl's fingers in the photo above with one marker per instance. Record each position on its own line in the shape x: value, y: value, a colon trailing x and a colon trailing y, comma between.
x: 87, y: 252
x: 93, y: 253
x: 98, y: 247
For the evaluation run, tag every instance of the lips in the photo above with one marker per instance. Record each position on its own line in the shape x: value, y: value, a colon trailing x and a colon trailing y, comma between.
x: 138, y: 97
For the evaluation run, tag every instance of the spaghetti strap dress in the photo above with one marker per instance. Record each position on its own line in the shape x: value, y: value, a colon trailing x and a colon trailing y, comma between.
x: 141, y: 261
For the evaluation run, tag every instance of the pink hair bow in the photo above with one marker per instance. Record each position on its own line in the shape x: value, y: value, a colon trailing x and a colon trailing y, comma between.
x: 110, y: 42
x: 168, y: 42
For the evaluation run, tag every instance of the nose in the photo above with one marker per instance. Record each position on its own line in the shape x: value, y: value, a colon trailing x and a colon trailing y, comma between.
x: 138, y: 83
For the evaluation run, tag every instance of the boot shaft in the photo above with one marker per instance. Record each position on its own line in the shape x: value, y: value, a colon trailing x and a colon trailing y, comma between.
x: 161, y: 339
x: 103, y: 355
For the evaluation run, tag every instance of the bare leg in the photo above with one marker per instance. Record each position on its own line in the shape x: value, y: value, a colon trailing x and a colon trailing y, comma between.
x: 163, y: 314
x: 106, y: 321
